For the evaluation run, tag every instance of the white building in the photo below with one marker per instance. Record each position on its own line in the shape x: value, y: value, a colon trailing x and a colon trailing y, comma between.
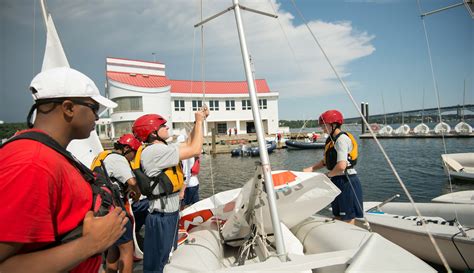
x: 140, y: 87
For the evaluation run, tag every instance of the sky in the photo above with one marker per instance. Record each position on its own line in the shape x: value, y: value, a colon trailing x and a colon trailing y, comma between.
x: 377, y: 46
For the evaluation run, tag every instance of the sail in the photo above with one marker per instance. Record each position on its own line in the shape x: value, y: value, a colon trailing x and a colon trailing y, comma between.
x: 85, y: 149
x: 299, y: 195
x: 54, y: 55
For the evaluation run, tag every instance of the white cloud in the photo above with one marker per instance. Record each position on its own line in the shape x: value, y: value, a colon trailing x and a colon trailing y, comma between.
x: 137, y: 28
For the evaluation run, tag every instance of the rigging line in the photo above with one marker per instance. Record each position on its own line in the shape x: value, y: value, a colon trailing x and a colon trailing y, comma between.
x: 349, y: 93
x: 34, y: 37
x: 384, y: 112
x: 286, y: 37
x: 203, y: 90
x: 439, y: 112
x: 423, y: 106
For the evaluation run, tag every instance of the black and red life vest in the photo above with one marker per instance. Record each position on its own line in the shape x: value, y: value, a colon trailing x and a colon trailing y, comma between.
x: 330, y: 153
x: 104, y: 195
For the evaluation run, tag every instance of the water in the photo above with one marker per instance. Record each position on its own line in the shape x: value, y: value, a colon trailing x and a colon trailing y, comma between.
x: 417, y: 161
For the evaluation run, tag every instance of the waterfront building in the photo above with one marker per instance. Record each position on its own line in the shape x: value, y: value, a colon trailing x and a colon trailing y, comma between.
x: 141, y: 87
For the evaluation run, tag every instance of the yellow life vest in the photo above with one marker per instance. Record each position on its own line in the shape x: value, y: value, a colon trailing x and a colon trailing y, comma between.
x: 171, y: 179
x: 330, y: 154
x: 97, y: 162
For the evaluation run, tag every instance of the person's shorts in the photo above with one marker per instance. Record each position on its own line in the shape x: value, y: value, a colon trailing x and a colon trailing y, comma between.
x: 348, y: 204
x: 127, y: 236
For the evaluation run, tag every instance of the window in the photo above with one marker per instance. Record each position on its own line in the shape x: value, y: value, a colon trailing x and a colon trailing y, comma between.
x: 179, y: 105
x: 122, y: 127
x: 229, y: 105
x: 214, y: 105
x: 246, y: 105
x: 222, y: 128
x: 262, y: 103
x: 128, y: 104
x: 196, y: 104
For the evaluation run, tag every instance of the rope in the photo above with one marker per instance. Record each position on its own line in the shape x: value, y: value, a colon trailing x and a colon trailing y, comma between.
x: 34, y: 37
x: 286, y: 38
x: 392, y: 167
x: 218, y: 224
x: 439, y: 115
x: 460, y: 254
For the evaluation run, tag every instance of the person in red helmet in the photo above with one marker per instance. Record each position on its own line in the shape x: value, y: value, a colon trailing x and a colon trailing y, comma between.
x: 117, y: 166
x: 340, y: 157
x: 157, y: 158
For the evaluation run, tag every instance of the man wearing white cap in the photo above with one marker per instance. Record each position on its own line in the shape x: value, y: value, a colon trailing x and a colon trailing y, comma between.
x: 47, y: 192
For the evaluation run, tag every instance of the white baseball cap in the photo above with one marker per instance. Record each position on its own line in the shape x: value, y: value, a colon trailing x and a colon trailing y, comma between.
x: 65, y: 82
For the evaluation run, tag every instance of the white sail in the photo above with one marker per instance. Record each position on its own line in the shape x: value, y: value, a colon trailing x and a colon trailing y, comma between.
x: 85, y: 149
x: 54, y: 55
x: 421, y: 129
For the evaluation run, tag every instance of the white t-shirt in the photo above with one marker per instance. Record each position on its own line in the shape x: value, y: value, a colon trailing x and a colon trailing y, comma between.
x: 118, y: 167
x: 154, y: 159
x: 343, y: 147
x: 190, y: 180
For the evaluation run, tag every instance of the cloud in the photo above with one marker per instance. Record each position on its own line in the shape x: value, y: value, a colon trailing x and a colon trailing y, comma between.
x: 283, y: 51
x: 166, y: 27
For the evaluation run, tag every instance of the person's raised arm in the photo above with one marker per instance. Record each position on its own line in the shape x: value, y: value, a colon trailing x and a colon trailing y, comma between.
x: 99, y: 233
x: 193, y: 147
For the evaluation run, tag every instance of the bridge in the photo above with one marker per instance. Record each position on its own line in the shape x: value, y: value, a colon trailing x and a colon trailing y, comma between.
x: 448, y: 113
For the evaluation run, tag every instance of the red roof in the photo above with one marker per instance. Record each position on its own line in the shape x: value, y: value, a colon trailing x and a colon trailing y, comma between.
x: 150, y: 81
x: 212, y: 87
x: 183, y: 86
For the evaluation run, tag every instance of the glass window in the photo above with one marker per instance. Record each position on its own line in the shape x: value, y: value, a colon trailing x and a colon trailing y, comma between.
x: 222, y: 128
x: 262, y: 103
x: 246, y: 105
x: 196, y: 104
x: 214, y: 105
x: 128, y: 104
x: 179, y: 105
x: 229, y: 105
x: 122, y: 127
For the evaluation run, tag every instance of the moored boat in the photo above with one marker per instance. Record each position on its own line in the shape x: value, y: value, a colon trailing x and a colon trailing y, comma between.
x: 459, y: 166
x: 304, y: 145
x: 397, y: 221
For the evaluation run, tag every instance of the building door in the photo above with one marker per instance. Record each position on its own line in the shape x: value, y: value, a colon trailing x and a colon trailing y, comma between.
x: 221, y: 128
x: 250, y: 127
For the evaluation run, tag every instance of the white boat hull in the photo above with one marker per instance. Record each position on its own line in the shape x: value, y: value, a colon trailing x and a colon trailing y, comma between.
x: 459, y: 166
x: 313, y: 243
x: 397, y: 223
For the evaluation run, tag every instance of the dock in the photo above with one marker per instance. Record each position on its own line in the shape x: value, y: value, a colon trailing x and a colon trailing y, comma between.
x: 411, y: 135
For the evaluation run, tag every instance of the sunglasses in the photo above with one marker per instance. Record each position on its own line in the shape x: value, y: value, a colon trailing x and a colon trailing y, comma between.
x: 94, y: 107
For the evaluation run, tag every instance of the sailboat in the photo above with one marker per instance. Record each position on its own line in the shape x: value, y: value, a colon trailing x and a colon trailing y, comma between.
x: 422, y: 128
x: 462, y: 127
x: 386, y: 130
x: 397, y: 221
x: 404, y: 129
x: 268, y: 224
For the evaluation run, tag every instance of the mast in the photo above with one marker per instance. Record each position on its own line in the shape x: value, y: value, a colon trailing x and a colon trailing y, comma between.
x: 265, y: 161
x: 266, y: 169
x: 44, y: 11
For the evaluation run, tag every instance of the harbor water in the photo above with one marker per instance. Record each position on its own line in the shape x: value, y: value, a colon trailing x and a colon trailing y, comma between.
x: 417, y: 161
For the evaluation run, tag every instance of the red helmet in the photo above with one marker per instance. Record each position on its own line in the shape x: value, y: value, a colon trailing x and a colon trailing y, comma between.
x: 331, y: 116
x: 146, y: 124
x: 129, y: 140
